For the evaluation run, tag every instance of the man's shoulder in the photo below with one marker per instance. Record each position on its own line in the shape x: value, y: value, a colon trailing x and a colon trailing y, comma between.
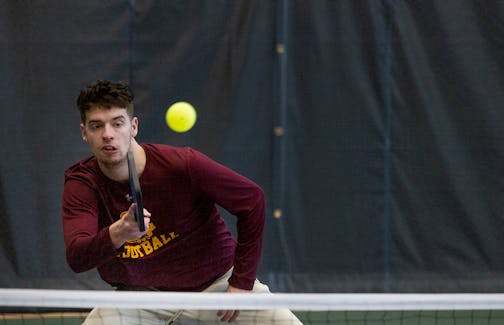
x: 170, y: 157
x: 84, y: 168
x: 167, y: 152
x: 163, y: 148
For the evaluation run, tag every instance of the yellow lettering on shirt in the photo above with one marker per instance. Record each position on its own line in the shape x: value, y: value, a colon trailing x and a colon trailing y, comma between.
x: 146, y: 245
x: 127, y: 252
x: 164, y: 239
x: 156, y: 243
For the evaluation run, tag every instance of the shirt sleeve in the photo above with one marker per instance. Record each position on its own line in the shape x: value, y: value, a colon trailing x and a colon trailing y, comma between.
x: 242, y: 198
x: 87, y: 246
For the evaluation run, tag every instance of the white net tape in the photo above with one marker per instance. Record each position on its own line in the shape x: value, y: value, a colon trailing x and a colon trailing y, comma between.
x: 245, y: 301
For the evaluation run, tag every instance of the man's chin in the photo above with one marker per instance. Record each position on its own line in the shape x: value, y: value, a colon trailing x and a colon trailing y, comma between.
x: 109, y: 162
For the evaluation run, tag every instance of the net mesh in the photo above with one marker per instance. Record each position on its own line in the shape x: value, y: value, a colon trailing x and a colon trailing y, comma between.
x: 27, y: 306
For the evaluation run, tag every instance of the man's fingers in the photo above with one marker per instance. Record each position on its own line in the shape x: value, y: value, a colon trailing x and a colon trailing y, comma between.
x: 131, y: 213
x: 130, y: 216
x: 130, y: 220
x: 234, y: 316
x: 228, y: 315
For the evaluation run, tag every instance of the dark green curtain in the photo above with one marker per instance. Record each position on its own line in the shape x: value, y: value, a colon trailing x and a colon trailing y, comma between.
x: 375, y: 128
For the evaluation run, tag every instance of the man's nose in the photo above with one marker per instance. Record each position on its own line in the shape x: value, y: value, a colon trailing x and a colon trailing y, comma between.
x: 108, y: 132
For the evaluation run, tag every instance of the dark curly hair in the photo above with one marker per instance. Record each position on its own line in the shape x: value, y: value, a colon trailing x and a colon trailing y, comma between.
x: 105, y: 94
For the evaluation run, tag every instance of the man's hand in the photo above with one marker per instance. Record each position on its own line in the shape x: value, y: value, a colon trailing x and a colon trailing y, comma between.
x: 126, y: 228
x: 230, y: 315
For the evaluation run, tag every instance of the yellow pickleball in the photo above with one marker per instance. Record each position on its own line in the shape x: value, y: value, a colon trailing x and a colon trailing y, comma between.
x: 181, y: 117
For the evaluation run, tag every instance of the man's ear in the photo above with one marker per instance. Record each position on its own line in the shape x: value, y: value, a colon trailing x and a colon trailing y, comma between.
x: 83, y: 132
x: 134, y: 127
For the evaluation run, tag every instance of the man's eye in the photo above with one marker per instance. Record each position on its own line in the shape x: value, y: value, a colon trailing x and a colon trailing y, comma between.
x: 94, y: 126
x: 118, y: 124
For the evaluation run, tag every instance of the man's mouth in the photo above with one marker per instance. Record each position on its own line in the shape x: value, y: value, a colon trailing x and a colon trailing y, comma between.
x: 109, y: 149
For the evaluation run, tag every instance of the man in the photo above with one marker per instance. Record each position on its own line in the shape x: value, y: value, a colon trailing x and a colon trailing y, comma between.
x: 186, y: 245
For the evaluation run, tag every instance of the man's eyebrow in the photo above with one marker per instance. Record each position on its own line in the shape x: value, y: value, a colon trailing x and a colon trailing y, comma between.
x: 117, y: 118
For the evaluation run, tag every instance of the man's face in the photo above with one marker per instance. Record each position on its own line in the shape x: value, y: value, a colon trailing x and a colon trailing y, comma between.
x: 109, y: 133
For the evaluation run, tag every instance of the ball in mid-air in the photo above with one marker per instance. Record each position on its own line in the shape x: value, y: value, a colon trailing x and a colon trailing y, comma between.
x: 180, y: 117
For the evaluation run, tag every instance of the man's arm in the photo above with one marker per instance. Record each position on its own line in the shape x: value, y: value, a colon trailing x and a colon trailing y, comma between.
x: 242, y: 198
x: 87, y: 246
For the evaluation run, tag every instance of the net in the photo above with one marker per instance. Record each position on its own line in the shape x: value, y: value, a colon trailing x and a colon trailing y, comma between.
x: 32, y: 306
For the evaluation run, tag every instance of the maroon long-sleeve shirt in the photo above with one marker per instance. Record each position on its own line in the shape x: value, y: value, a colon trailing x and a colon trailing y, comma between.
x: 188, y: 244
